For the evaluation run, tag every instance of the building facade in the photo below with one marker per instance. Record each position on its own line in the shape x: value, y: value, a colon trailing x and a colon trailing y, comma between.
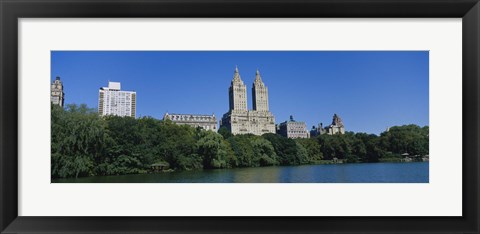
x: 57, y: 96
x: 293, y: 129
x: 240, y: 120
x: 319, y: 130
x: 113, y: 101
x: 207, y: 122
x: 337, y: 127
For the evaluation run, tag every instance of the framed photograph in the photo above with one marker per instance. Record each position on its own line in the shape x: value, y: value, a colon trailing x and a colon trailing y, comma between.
x: 239, y: 116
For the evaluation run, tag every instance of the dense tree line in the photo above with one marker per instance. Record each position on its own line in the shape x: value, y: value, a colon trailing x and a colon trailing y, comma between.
x: 85, y: 144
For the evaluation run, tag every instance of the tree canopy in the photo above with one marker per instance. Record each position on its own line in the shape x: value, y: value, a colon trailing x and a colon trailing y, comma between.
x: 85, y: 144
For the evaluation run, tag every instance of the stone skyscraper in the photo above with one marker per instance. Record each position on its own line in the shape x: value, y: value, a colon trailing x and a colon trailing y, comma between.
x: 260, y: 94
x: 57, y: 96
x: 240, y: 120
x: 238, y: 93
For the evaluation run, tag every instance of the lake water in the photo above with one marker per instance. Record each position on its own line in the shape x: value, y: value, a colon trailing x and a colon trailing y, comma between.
x: 414, y: 172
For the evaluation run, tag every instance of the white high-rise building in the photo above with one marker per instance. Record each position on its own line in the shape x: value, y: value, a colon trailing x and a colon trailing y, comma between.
x: 113, y: 101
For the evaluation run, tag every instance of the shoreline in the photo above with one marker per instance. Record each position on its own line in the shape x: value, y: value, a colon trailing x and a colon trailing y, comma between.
x: 52, y: 180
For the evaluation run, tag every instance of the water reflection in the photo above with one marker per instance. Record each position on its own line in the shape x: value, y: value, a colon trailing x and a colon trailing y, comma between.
x: 336, y: 173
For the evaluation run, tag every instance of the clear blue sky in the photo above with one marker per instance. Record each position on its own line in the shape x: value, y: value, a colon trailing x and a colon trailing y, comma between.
x: 370, y: 91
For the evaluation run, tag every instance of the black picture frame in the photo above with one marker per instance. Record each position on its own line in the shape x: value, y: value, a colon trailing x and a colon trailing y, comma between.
x: 11, y: 11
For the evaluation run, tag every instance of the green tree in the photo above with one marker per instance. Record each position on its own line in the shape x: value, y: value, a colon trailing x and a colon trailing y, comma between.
x: 369, y: 150
x: 301, y: 154
x: 178, y: 146
x: 85, y: 144
x: 225, y: 132
x: 338, y: 146
x: 212, y: 149
x: 77, y: 141
x: 409, y: 139
x: 243, y: 150
x: 286, y: 149
x: 313, y: 149
x: 263, y: 152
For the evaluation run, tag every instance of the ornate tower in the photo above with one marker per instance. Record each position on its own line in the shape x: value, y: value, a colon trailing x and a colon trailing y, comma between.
x: 57, y: 94
x: 238, y: 93
x: 337, y: 121
x: 337, y: 126
x: 260, y: 94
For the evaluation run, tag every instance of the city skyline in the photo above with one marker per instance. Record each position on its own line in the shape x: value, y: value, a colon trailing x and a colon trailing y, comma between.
x: 370, y: 91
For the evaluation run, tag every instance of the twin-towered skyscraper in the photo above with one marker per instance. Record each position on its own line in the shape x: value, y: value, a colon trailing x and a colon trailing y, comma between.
x: 238, y: 93
x: 240, y: 120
